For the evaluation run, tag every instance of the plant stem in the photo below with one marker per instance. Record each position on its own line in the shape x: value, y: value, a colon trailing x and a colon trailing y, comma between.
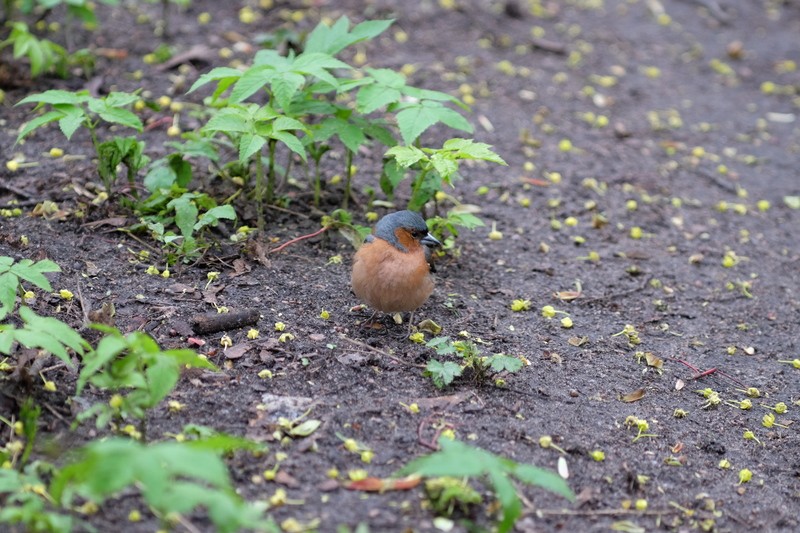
x: 260, y: 192
x: 271, y: 171
x: 349, y: 179
x: 317, y: 183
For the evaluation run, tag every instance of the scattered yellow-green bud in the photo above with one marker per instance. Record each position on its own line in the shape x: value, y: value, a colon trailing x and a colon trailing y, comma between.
x: 679, y: 413
x: 165, y: 274
x: 23, y: 239
x: 640, y: 504
x: 265, y: 374
x: 280, y: 326
x: 749, y: 435
x: 252, y: 333
x: 745, y: 475
x: 175, y: 406
x: 19, y: 428
x: 482, y: 190
x: 367, y: 456
x: 324, y: 315
x: 164, y: 101
x: 548, y: 311
x: 28, y: 295
x: 357, y: 475
x: 286, y: 337
x: 763, y: 205
x: 204, y: 18
x: 134, y: 516
x: 417, y: 337
x: 332, y: 473
x: 566, y: 322
x: 571, y: 221
x: 494, y: 234
x: 115, y: 402
x: 636, y: 232
x: 520, y: 305
x: 565, y: 145
x: 247, y: 15
x: 55, y: 152
x: 631, y: 205
x: 794, y: 362
x: 731, y: 350
x: 65, y: 294
x: 152, y: 270
x: 598, y: 455
x: 173, y: 131
x: 226, y: 341
x: 724, y: 464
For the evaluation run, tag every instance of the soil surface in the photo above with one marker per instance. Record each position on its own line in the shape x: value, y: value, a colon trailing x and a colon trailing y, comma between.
x: 695, y: 141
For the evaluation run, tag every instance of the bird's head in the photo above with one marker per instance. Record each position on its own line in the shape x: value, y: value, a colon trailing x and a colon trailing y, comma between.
x: 405, y: 230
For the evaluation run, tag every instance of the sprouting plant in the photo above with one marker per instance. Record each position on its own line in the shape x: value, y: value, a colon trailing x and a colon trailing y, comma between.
x: 631, y: 333
x: 46, y: 333
x: 75, y: 109
x: 43, y: 55
x: 132, y: 364
x: 191, y: 212
x: 27, y: 502
x: 448, y: 493
x: 446, y: 228
x: 443, y: 373
x: 252, y: 127
x: 433, y: 168
x: 12, y: 272
x: 456, y: 459
x: 172, y: 477
x: 641, y: 425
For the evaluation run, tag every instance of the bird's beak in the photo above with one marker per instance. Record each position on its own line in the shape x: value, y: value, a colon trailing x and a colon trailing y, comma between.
x: 430, y: 240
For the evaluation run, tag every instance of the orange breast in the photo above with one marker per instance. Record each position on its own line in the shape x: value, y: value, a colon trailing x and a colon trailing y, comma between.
x: 389, y: 280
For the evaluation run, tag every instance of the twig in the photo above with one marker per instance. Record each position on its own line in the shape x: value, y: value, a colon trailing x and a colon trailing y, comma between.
x: 381, y: 352
x: 703, y: 373
x: 598, y: 512
x: 300, y: 238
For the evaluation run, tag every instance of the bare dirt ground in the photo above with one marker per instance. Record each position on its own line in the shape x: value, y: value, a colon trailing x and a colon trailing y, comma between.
x: 698, y: 147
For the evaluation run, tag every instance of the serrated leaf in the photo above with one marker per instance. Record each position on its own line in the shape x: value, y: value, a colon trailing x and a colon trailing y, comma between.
x: 370, y: 98
x: 442, y: 374
x: 506, y: 363
x: 250, y: 82
x: 250, y: 144
x: 405, y: 155
x: 413, y: 121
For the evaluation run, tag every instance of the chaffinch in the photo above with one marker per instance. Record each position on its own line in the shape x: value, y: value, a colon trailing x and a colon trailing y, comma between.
x: 391, y: 270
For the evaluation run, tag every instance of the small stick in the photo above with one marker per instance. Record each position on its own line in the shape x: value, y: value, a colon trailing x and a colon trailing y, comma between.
x: 214, y: 322
x: 381, y: 352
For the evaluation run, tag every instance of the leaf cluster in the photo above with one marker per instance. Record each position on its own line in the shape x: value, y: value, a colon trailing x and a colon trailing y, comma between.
x: 444, y: 373
x: 456, y: 459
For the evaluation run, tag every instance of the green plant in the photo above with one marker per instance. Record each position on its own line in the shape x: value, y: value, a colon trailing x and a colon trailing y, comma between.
x: 433, y: 167
x: 446, y: 228
x: 444, y: 373
x: 172, y: 477
x: 27, y: 270
x: 26, y: 501
x: 47, y: 333
x: 456, y: 459
x: 75, y: 109
x: 44, y: 55
x: 252, y: 127
x: 134, y: 364
x: 191, y: 212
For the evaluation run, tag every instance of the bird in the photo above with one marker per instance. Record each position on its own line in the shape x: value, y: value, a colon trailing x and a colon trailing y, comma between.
x: 392, y: 270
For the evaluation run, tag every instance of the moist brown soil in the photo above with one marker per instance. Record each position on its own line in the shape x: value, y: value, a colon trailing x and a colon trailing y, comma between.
x: 670, y: 284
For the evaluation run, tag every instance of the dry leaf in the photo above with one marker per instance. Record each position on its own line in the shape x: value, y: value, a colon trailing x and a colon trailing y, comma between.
x: 679, y: 384
x: 653, y: 361
x: 634, y: 396
x: 578, y: 341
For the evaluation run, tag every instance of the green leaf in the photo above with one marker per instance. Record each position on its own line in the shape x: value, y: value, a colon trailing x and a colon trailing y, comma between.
x: 8, y: 294
x: 57, y: 96
x: 107, y: 349
x: 469, y: 149
x: 229, y: 120
x: 251, y: 81
x: 216, y: 74
x: 73, y: 118
x: 442, y: 374
x: 293, y: 143
x: 185, y: 213
x: 212, y: 216
x: 413, y: 121
x: 501, y: 362
x: 406, y: 155
x: 250, y: 144
x: 38, y: 122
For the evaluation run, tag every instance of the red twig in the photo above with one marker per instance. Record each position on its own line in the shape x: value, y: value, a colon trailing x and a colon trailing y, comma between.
x: 703, y: 373
x: 300, y: 238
